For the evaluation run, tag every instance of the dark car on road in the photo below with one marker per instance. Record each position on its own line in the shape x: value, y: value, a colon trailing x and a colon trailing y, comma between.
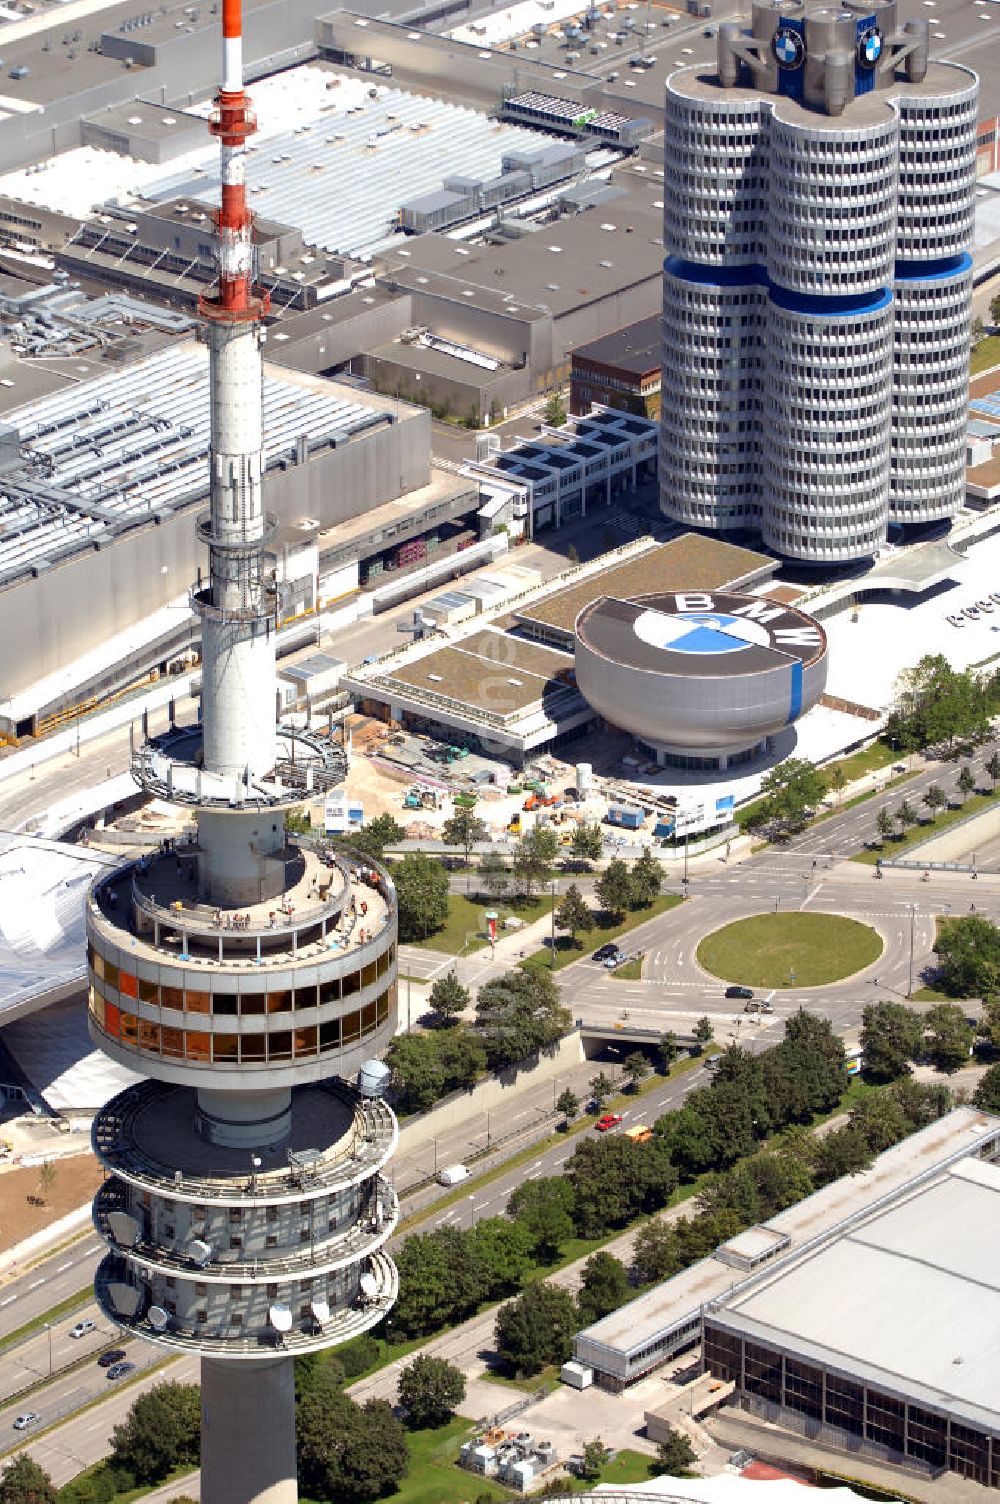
x: 605, y: 952
x: 120, y: 1370
x: 744, y: 992
x: 112, y: 1356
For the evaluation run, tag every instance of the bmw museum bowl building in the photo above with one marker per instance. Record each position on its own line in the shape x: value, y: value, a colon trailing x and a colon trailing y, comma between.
x: 701, y: 679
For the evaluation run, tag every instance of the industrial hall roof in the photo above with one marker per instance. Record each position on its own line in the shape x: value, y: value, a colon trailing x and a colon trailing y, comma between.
x: 84, y: 462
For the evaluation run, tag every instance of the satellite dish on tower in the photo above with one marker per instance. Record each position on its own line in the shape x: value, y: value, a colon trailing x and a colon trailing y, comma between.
x: 200, y: 1251
x: 158, y: 1318
x: 321, y: 1311
x: 281, y: 1317
x: 369, y: 1287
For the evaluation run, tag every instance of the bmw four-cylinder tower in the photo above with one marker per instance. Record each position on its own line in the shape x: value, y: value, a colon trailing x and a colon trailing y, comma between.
x: 247, y: 975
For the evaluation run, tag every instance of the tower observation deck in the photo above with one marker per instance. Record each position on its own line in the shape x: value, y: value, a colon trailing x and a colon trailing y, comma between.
x: 249, y: 975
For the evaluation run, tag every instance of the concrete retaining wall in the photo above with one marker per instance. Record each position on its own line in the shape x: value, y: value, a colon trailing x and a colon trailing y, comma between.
x: 959, y: 839
x: 491, y: 1094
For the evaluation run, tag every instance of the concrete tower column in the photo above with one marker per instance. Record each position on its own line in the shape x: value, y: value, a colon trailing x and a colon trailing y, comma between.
x: 242, y: 1460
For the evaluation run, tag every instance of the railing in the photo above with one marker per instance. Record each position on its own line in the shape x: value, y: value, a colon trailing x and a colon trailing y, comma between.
x: 373, y: 1142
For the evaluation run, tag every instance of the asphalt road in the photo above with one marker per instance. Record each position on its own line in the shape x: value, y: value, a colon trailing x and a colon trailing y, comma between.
x: 48, y: 1284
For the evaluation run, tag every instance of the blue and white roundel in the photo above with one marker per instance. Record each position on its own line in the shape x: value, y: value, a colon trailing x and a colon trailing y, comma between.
x: 699, y: 632
x: 788, y: 47
x: 870, y: 47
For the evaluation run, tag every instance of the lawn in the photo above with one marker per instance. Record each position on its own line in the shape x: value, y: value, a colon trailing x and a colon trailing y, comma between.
x: 630, y: 972
x: 785, y: 950
x: 985, y: 355
x: 605, y: 928
x: 868, y: 760
x: 463, y: 929
x: 627, y: 1467
x: 434, y: 1476
x: 894, y: 846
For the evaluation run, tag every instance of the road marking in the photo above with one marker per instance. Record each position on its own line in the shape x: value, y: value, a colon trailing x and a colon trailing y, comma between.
x: 36, y: 1284
x: 9, y: 1301
x: 61, y: 1268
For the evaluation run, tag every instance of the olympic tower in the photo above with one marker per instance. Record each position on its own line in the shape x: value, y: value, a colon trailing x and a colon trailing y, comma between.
x: 249, y: 975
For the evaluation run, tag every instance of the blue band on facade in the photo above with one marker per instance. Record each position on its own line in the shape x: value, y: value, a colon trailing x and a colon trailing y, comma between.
x: 715, y: 276
x: 929, y: 271
x: 839, y: 305
x: 795, y: 701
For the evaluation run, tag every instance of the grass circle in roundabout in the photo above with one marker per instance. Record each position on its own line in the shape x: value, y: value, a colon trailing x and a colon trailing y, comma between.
x: 789, y: 950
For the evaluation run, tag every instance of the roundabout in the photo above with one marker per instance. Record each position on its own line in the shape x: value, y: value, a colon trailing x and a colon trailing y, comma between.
x: 789, y: 950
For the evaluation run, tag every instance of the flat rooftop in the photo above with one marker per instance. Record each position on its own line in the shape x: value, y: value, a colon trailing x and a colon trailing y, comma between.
x: 909, y: 1297
x: 864, y: 111
x: 959, y: 1133
x: 690, y: 562
x: 490, y: 671
x: 635, y: 349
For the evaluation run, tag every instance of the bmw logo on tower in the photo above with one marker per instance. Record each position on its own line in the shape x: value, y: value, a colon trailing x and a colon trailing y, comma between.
x: 869, y: 47
x: 788, y: 47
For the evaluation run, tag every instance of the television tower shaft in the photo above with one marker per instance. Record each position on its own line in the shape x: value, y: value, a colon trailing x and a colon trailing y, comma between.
x: 238, y: 609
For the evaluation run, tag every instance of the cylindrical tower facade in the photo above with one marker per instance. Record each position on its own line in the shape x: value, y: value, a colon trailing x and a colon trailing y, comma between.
x: 817, y: 206
x: 248, y: 974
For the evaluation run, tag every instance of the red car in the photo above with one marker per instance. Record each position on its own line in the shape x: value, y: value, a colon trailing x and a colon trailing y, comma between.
x: 609, y: 1120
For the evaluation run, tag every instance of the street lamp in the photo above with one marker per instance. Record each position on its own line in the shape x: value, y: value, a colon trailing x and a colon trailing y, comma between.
x: 913, y: 915
x: 48, y: 1328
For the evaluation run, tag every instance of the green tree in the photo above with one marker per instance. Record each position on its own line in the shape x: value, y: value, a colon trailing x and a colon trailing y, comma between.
x: 348, y: 1452
x: 574, y: 913
x: 603, y: 1287
x: 906, y: 816
x: 297, y: 821
x: 421, y: 894
x: 636, y: 1068
x: 555, y: 410
x: 464, y: 828
x: 968, y: 954
x: 655, y: 1254
x: 373, y: 839
x: 880, y: 1120
x: 836, y: 779
x: 845, y: 1151
x: 977, y: 333
x: 430, y: 1391
x: 518, y: 1015
x: 667, y: 1049
x: 533, y: 857
x: 675, y: 1455
x: 646, y: 878
x: 462, y: 1056
x: 891, y: 1036
x: 993, y: 767
x: 48, y: 1173
x: 885, y: 825
x: 936, y: 703
x: 416, y: 1071
x: 504, y: 1250
x: 568, y: 1103
x: 614, y: 1180
x: 995, y: 310
x: 789, y: 791
x: 448, y: 997
x: 24, y: 1482
x: 595, y: 1455
x: 440, y: 1281
x: 935, y: 798
x: 162, y: 1431
x: 965, y: 783
x: 923, y: 1102
x: 572, y: 554
x: 588, y: 843
x: 704, y: 1033
x: 805, y: 1074
x: 545, y: 1207
x: 987, y: 1093
x: 950, y: 1038
x: 757, y: 1188
x: 614, y: 888
x: 537, y: 1328
x: 601, y: 1087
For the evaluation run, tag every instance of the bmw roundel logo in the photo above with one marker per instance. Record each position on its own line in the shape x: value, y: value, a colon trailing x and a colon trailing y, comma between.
x: 869, y: 47
x: 788, y: 47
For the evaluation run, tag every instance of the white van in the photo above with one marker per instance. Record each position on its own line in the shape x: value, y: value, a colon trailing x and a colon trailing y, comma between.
x: 453, y: 1174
